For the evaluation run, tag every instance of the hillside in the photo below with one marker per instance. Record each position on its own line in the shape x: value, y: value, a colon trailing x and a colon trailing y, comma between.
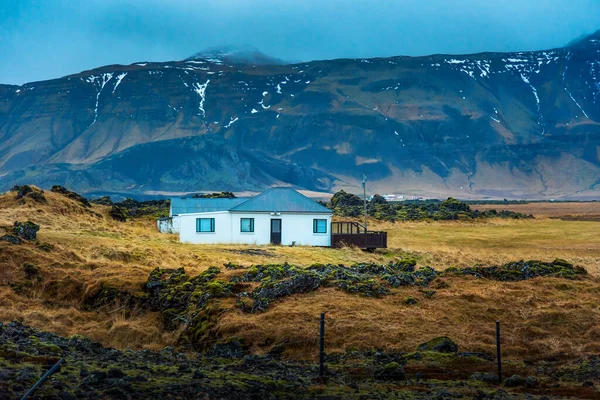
x: 483, y: 125
x: 122, y: 284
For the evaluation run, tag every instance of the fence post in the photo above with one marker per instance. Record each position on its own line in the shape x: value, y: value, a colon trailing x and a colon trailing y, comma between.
x: 498, y: 358
x: 322, y: 347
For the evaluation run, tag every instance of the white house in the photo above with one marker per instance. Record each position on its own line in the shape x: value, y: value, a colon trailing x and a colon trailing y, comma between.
x: 278, y: 215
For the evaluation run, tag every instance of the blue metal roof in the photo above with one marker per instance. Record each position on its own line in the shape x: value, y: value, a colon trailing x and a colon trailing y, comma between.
x: 189, y: 205
x: 280, y: 199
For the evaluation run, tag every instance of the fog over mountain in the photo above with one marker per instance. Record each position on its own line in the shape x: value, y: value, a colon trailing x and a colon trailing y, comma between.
x: 52, y: 39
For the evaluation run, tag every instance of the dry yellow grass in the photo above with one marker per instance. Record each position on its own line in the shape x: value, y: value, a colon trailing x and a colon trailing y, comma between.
x: 496, y: 241
x: 540, y: 317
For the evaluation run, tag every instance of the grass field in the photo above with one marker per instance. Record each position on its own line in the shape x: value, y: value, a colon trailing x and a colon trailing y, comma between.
x: 565, y: 210
x: 542, y: 317
x: 495, y: 241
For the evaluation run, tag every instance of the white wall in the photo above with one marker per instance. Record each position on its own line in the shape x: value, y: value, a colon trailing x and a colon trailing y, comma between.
x: 294, y: 228
x: 222, y: 233
x: 168, y: 225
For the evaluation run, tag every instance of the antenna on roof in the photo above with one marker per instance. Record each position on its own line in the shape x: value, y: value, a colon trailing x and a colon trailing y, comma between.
x: 364, y: 185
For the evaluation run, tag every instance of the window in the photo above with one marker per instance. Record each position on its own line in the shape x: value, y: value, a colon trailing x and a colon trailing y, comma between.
x: 205, y: 224
x: 247, y: 225
x: 319, y: 226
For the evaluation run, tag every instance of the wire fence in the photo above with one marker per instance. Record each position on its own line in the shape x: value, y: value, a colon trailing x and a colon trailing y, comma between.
x: 317, y: 343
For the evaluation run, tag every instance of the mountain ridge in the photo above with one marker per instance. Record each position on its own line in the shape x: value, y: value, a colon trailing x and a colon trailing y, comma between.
x: 521, y: 124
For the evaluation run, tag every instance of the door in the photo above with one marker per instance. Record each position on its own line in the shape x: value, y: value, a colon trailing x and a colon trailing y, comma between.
x: 276, y: 231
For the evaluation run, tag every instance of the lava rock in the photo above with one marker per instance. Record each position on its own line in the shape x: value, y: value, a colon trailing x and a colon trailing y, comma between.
x: 95, y: 378
x: 483, y: 356
x: 392, y: 371
x: 442, y: 344
x: 198, y: 374
x: 115, y: 373
x: 184, y: 368
x: 10, y: 239
x: 26, y: 230
x: 484, y: 377
x: 231, y: 349
x: 531, y: 382
x: 29, y: 192
x: 104, y: 200
x: 118, y: 213
x: 514, y: 381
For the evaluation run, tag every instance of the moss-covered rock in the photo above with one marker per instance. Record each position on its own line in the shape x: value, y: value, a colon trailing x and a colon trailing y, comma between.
x: 349, y: 205
x: 43, y: 347
x: 26, y: 230
x: 515, y: 380
x: 442, y: 344
x: 30, y: 192
x: 522, y: 270
x: 104, y: 200
x: 391, y: 371
x: 118, y: 213
x: 10, y: 239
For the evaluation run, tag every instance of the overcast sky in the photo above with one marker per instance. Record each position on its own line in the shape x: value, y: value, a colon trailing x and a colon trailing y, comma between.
x: 43, y: 39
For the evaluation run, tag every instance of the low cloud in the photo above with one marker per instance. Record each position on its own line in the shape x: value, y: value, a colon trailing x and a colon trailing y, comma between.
x: 51, y: 40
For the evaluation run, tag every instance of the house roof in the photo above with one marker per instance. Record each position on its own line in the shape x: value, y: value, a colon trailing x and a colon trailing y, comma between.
x: 190, y: 205
x: 280, y: 199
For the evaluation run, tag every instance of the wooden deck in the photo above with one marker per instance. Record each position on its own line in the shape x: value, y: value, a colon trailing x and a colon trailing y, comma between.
x: 355, y: 234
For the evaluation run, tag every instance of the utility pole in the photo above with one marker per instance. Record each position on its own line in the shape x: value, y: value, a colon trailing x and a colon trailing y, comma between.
x: 364, y: 185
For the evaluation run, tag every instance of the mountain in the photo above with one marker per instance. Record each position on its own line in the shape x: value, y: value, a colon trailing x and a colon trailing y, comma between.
x: 236, y: 55
x: 515, y: 125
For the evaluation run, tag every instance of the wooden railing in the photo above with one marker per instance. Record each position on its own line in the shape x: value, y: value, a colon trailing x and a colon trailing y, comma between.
x: 355, y: 234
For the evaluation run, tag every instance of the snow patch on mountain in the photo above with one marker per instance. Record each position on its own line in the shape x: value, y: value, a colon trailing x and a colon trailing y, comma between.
x: 119, y: 79
x: 231, y: 122
x: 200, y: 89
x: 99, y: 81
x: 537, y: 100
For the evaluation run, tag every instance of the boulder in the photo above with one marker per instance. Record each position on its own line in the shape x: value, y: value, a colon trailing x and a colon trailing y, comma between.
x: 115, y: 373
x: 29, y: 192
x: 483, y: 356
x: 514, y: 381
x: 26, y: 230
x: 118, y: 213
x: 95, y: 378
x: 392, y: 371
x: 10, y: 239
x: 441, y: 344
x: 230, y: 349
x: 484, y: 377
x: 104, y: 200
x: 531, y: 382
x: 198, y: 374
